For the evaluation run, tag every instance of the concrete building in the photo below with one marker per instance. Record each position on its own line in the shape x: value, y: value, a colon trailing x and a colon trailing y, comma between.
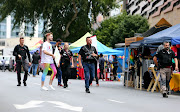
x: 9, y: 37
x: 7, y: 24
x: 155, y: 10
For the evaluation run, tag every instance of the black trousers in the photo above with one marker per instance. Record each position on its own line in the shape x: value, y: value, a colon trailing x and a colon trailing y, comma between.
x: 115, y: 72
x: 66, y: 72
x: 101, y: 73
x: 18, y: 68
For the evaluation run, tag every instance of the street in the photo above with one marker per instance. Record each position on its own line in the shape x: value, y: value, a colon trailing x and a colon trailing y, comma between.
x: 108, y: 97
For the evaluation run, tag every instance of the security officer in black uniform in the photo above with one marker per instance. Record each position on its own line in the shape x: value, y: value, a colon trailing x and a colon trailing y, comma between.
x: 89, y: 55
x: 21, y: 52
x: 164, y: 57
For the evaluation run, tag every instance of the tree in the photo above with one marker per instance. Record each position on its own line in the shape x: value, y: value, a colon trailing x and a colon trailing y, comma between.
x: 59, y: 15
x: 116, y: 29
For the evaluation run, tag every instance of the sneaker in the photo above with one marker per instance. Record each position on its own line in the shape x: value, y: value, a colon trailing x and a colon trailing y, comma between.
x: 60, y: 85
x: 97, y: 85
x: 165, y: 95
x: 44, y: 88
x: 52, y: 87
x: 87, y: 90
x: 19, y: 85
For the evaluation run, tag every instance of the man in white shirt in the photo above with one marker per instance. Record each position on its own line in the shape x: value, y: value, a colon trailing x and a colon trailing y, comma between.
x: 3, y: 64
x: 47, y: 61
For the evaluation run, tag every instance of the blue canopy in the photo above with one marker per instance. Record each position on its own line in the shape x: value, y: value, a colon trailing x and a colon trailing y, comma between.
x: 102, y: 49
x: 165, y: 35
x: 175, y: 40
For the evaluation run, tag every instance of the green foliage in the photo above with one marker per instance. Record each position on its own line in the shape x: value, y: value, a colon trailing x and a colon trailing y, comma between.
x: 116, y: 29
x: 68, y: 19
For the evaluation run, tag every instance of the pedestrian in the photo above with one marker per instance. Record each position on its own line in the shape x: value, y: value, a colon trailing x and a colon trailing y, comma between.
x: 88, y: 55
x: 164, y: 62
x: 115, y: 65
x: 10, y: 64
x: 66, y: 60
x: 35, y: 62
x: 58, y: 67
x: 3, y: 61
x: 21, y: 52
x: 47, y: 61
x: 101, y: 66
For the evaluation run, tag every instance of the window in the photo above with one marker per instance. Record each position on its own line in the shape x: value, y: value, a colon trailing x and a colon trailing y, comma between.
x: 137, y: 3
x: 177, y: 3
x: 166, y: 6
x: 145, y: 6
x: 157, y: 1
x: 2, y: 43
x: 136, y: 10
x: 152, y: 12
x: 144, y: 14
x: 128, y: 12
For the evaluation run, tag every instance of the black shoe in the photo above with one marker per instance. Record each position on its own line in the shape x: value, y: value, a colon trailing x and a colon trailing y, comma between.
x: 65, y: 85
x: 19, y: 85
x: 25, y: 84
x: 165, y: 95
x: 87, y: 90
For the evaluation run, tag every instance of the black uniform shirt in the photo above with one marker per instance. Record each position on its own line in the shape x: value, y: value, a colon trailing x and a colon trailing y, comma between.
x: 165, y: 57
x: 23, y: 51
x: 86, y: 51
x: 66, y: 56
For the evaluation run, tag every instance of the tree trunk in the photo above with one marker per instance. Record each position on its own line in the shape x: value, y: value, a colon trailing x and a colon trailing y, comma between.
x: 69, y: 23
x: 124, y: 5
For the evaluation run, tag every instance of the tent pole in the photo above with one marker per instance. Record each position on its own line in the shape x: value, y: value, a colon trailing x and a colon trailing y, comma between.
x: 128, y: 66
x: 124, y: 63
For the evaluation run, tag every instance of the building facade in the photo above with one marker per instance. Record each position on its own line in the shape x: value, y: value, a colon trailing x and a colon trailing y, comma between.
x: 7, y: 24
x: 155, y: 10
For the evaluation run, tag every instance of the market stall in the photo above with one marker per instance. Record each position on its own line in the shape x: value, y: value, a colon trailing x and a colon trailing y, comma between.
x: 128, y: 79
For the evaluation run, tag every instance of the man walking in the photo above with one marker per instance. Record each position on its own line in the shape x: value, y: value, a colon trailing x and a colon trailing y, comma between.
x: 66, y: 58
x: 58, y: 67
x: 3, y: 61
x: 115, y: 64
x: 164, y: 62
x: 36, y: 58
x: 88, y: 55
x: 21, y: 52
x: 101, y: 66
x: 47, y: 61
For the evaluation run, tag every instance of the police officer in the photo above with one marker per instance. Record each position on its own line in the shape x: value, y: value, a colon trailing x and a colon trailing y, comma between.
x: 164, y: 62
x: 21, y: 52
x: 88, y: 55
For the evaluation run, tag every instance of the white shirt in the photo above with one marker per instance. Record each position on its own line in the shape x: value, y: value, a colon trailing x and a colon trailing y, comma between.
x: 3, y: 61
x: 46, y: 58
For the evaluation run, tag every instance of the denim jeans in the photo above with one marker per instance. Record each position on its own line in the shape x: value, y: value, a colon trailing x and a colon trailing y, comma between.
x: 59, y: 74
x: 89, y: 72
x: 35, y: 66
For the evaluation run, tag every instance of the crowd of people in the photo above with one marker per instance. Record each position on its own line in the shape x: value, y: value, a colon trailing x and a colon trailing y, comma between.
x: 88, y: 59
x: 45, y: 59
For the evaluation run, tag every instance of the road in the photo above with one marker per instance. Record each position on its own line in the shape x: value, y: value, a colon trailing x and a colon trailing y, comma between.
x: 108, y: 97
